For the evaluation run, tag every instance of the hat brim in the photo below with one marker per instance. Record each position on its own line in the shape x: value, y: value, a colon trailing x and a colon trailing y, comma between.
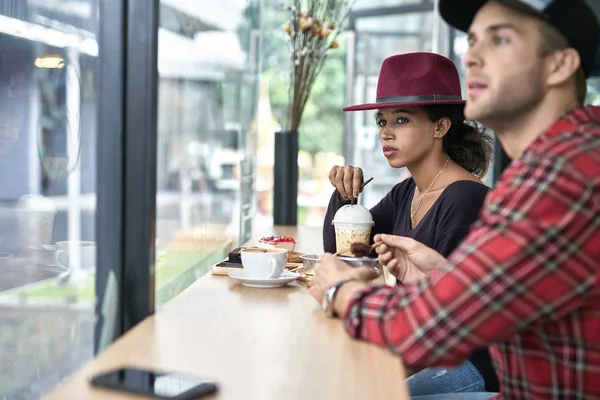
x: 378, y: 106
x: 460, y: 14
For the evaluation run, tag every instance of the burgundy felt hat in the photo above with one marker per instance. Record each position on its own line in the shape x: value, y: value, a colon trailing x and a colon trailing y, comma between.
x: 415, y: 79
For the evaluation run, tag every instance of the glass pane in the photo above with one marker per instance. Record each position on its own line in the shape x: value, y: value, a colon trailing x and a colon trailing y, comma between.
x: 370, y: 4
x: 376, y: 39
x: 593, y: 94
x: 48, y: 57
x: 208, y: 90
x: 321, y: 130
x: 460, y: 47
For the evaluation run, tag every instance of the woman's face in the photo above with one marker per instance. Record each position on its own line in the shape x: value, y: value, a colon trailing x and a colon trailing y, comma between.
x: 407, y: 134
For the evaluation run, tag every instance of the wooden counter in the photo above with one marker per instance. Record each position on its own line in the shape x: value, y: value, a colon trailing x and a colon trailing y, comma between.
x: 255, y: 343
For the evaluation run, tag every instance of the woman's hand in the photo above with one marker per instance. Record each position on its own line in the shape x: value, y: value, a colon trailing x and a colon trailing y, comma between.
x: 347, y: 180
x: 407, y: 259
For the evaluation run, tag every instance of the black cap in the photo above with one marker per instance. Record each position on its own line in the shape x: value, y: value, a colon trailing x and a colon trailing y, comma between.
x: 573, y: 18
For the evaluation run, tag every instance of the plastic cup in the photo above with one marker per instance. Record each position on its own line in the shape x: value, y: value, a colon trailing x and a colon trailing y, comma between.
x: 353, y: 224
x: 346, y: 234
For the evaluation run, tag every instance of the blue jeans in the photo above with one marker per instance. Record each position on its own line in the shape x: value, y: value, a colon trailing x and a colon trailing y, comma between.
x: 457, y: 396
x: 464, y: 378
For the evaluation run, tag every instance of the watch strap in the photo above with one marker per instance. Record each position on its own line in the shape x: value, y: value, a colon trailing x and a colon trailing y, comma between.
x: 332, y: 293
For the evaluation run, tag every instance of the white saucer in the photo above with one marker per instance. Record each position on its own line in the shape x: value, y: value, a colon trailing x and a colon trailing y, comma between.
x: 285, y: 278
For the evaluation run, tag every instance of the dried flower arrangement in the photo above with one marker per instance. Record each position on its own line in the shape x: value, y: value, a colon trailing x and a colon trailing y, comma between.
x: 313, y: 30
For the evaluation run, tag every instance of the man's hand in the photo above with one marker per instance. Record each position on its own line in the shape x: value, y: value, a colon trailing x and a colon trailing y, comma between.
x: 407, y: 259
x: 330, y: 270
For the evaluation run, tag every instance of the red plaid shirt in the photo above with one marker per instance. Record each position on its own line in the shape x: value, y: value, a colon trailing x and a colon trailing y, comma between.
x: 524, y: 281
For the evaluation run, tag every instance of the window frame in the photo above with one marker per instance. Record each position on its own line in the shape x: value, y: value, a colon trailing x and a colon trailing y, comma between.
x: 126, y: 169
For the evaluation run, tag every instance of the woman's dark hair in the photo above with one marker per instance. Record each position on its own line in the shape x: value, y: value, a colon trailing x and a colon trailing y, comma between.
x: 467, y: 143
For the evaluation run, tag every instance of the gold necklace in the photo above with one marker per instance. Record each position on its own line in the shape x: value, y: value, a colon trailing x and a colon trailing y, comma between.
x: 413, y: 213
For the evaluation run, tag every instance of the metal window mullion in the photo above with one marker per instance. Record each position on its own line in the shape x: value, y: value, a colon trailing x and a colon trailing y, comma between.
x: 140, y: 160
x: 126, y: 169
x: 110, y: 179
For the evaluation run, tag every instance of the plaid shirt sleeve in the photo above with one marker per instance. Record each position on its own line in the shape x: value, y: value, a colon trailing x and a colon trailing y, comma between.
x: 531, y: 257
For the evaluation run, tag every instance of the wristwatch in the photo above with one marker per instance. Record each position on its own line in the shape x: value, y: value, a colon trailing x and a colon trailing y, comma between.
x: 327, y: 302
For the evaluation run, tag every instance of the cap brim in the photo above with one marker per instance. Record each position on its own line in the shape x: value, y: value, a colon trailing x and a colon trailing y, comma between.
x: 459, y: 14
x: 377, y: 106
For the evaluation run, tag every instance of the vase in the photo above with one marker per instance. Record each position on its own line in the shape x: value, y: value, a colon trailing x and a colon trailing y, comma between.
x: 285, y: 178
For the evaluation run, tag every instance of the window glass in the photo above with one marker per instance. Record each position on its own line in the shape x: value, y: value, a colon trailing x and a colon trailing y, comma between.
x: 593, y: 91
x: 48, y: 58
x: 370, y: 4
x: 208, y: 91
x: 376, y: 39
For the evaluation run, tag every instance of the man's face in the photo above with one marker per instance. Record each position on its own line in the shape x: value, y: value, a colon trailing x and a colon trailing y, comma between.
x: 504, y: 68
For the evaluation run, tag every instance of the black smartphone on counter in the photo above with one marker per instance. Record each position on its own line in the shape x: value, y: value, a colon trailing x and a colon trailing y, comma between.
x: 160, y: 385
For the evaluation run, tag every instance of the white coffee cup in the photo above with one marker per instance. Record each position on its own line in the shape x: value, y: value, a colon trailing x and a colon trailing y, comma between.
x: 79, y: 254
x: 267, y: 263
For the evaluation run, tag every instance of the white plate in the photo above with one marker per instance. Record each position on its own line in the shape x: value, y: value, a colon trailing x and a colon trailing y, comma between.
x: 285, y: 278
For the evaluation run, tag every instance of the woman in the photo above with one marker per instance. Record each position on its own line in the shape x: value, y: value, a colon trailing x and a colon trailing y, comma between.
x: 422, y: 127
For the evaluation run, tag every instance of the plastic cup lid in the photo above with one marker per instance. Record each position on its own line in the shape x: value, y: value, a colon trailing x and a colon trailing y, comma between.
x: 353, y: 214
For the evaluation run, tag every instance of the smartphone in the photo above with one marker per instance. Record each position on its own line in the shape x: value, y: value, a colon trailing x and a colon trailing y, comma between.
x: 160, y: 385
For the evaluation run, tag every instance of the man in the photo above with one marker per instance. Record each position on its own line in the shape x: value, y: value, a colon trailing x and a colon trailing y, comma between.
x: 526, y: 279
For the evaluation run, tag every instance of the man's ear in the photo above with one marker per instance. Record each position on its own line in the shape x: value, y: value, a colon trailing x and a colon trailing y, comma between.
x: 442, y: 127
x: 562, y: 66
